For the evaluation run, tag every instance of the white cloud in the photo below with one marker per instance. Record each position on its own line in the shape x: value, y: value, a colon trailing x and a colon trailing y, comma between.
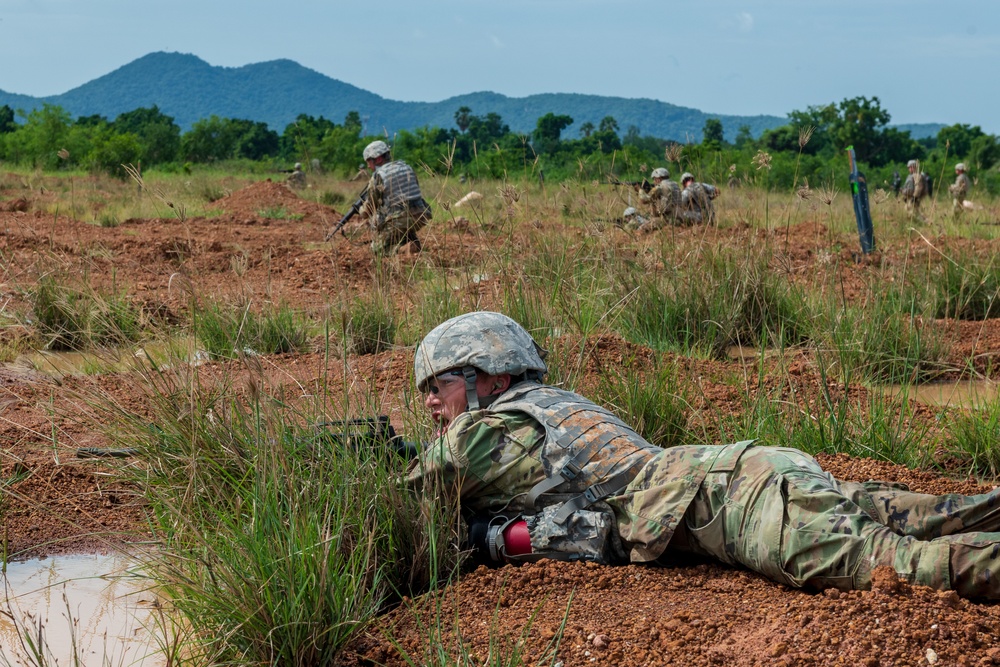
x: 745, y: 21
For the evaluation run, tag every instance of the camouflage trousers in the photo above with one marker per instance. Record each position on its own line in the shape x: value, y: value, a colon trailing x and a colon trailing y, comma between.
x: 778, y: 513
x: 399, y: 227
x: 913, y: 209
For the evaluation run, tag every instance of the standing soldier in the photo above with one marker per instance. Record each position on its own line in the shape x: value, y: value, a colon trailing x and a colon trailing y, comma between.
x: 696, y: 200
x: 395, y: 207
x: 960, y: 189
x: 542, y: 472
x: 914, y: 190
x: 297, y: 179
x: 663, y: 199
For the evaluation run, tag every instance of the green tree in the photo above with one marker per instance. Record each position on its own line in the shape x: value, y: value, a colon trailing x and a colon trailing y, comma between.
x: 158, y: 134
x: 712, y: 135
x: 548, y: 129
x: 462, y: 118
x: 45, y: 132
x: 608, y: 124
x: 744, y: 137
x: 207, y: 140
x: 958, y: 138
x: 861, y: 123
x: 352, y: 122
x: 110, y: 150
x: 7, y: 123
x: 984, y: 151
x: 303, y: 135
x: 252, y: 139
x: 586, y: 129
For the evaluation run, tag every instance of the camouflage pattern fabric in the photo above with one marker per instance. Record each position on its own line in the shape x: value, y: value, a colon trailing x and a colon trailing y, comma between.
x: 297, y: 179
x: 395, y: 207
x: 663, y: 200
x: 960, y: 191
x: 696, y: 203
x: 772, y: 510
x: 494, y: 458
x: 913, y: 191
x: 779, y: 514
x: 588, y: 535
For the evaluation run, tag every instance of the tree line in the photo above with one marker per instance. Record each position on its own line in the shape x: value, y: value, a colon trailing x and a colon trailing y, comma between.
x: 809, y: 148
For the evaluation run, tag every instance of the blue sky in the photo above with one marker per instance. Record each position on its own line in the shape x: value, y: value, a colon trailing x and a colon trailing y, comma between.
x: 927, y: 61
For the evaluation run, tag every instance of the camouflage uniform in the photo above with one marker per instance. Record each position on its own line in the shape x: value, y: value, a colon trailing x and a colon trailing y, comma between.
x: 913, y: 191
x: 773, y: 510
x: 696, y: 203
x: 395, y: 207
x: 663, y: 199
x: 297, y: 179
x: 959, y: 191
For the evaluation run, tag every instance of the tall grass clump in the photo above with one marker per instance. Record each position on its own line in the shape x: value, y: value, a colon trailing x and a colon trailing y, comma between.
x: 888, y: 340
x: 273, y: 542
x: 70, y: 316
x: 228, y: 330
x: 973, y: 440
x: 368, y: 325
x: 712, y: 305
x: 838, y: 420
x: 651, y: 403
x: 966, y: 288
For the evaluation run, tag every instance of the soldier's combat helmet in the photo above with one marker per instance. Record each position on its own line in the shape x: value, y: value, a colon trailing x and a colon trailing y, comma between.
x: 375, y: 149
x: 629, y: 212
x: 687, y: 175
x: 482, y: 341
x: 660, y: 172
x: 960, y: 166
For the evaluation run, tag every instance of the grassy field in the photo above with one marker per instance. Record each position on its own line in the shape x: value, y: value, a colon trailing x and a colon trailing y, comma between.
x: 273, y: 539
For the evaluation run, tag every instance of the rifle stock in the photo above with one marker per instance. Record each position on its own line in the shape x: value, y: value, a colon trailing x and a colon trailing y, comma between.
x: 351, y: 212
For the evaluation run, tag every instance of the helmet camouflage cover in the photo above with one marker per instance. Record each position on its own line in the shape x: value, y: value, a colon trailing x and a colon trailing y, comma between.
x: 629, y: 212
x: 960, y: 166
x: 686, y: 175
x: 490, y: 342
x: 374, y: 149
x: 660, y: 172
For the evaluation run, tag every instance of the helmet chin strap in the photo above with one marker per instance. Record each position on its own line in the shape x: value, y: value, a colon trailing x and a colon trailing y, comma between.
x: 471, y: 395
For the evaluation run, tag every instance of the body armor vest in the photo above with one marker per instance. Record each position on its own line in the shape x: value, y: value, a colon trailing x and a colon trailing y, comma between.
x: 399, y: 183
x: 588, y: 453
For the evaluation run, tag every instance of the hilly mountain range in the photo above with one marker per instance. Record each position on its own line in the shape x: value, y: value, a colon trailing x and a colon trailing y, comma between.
x: 276, y: 92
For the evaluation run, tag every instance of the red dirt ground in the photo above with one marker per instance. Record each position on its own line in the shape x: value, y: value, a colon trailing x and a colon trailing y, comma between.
x: 690, y: 614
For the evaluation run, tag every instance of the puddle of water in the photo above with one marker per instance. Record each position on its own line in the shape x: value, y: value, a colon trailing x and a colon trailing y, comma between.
x: 112, y: 622
x: 87, y: 363
x: 964, y: 393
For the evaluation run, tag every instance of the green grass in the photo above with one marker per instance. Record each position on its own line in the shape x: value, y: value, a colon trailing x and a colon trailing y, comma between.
x: 227, y: 330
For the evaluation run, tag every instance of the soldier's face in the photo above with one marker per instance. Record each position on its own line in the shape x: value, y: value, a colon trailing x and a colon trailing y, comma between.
x: 446, y: 398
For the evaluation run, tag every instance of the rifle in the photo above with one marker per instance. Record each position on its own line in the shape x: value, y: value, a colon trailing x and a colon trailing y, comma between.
x: 366, y: 433
x: 351, y: 212
x: 859, y: 192
x: 644, y: 184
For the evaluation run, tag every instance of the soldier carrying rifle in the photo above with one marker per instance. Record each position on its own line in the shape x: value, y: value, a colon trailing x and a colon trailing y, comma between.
x: 542, y: 472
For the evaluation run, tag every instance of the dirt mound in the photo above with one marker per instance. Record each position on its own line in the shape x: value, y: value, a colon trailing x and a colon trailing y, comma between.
x: 20, y: 204
x: 268, y: 199
x: 690, y: 615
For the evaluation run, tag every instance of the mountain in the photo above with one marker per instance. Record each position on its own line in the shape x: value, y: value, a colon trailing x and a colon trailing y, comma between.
x: 276, y: 92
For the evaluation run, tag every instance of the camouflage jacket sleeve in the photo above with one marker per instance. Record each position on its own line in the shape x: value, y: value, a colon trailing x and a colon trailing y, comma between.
x: 484, y: 458
x: 376, y: 194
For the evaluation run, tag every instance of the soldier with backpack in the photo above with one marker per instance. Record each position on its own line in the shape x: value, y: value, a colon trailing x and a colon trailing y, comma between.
x: 915, y: 188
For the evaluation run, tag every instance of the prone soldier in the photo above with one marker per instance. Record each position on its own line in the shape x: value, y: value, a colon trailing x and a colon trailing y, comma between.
x: 541, y: 472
